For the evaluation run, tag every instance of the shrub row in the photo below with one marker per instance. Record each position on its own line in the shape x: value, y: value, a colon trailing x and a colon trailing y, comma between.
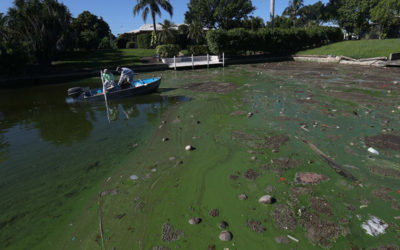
x: 275, y: 41
x: 197, y: 50
x: 168, y: 50
x: 143, y: 41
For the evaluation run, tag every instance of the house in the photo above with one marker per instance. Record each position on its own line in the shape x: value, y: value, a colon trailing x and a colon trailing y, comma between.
x: 148, y: 28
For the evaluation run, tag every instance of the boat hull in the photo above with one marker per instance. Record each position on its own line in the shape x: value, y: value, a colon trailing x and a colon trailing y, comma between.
x: 128, y: 92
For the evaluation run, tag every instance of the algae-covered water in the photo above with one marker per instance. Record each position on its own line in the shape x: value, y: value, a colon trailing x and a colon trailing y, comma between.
x: 70, y: 179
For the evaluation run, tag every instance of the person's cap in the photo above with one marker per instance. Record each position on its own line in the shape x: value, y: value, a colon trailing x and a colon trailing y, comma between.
x: 118, y: 69
x: 105, y: 70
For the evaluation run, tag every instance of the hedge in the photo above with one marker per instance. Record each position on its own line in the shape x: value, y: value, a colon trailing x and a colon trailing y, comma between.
x: 130, y: 45
x: 275, y: 41
x: 197, y: 49
x: 143, y: 41
x: 168, y: 50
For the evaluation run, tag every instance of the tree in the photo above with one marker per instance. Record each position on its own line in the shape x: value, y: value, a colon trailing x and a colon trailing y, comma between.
x: 166, y: 36
x: 314, y: 13
x: 196, y: 32
x: 386, y: 13
x: 152, y: 7
x: 253, y: 23
x: 293, y: 10
x: 223, y: 14
x: 281, y: 22
x: 351, y: 15
x: 90, y: 30
x: 42, y: 24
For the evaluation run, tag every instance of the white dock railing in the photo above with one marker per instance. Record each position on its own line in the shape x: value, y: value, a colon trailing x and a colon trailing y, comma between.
x: 187, y: 61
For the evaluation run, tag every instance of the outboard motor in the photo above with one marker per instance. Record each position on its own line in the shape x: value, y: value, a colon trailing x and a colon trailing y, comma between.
x: 75, y: 92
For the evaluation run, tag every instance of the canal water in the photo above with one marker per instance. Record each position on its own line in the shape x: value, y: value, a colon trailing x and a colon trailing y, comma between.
x: 53, y: 151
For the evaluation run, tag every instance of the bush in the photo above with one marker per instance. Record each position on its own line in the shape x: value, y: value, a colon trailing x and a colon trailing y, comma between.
x: 274, y: 41
x: 104, y: 43
x: 121, y: 42
x: 143, y: 41
x: 123, y: 39
x: 197, y: 50
x: 130, y: 45
x: 168, y: 50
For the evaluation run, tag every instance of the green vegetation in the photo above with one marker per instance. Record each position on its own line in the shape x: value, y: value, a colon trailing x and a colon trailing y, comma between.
x: 143, y: 41
x: 274, y: 41
x: 198, y: 50
x: 235, y: 154
x: 217, y: 14
x: 168, y: 50
x: 152, y: 7
x: 102, y: 59
x: 357, y: 49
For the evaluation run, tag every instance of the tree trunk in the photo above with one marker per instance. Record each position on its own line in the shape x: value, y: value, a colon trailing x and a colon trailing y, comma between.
x: 153, y: 15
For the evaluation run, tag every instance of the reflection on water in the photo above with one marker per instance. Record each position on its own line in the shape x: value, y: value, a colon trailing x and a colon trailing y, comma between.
x: 52, y: 150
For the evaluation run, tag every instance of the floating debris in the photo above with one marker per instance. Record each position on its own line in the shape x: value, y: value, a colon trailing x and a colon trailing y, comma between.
x: 310, y: 178
x: 169, y: 234
x: 214, y: 212
x: 225, y: 236
x: 373, y: 151
x: 374, y: 226
x: 293, y: 238
x: 165, y: 139
x: 282, y: 240
x: 189, y: 148
x: 133, y: 177
x: 339, y: 169
x: 256, y: 226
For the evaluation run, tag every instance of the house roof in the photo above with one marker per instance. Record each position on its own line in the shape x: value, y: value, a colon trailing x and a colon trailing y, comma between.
x: 149, y: 28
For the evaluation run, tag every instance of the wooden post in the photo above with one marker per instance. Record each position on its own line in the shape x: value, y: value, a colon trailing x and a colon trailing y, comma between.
x: 174, y: 62
x: 223, y: 59
x: 208, y: 61
x: 192, y: 62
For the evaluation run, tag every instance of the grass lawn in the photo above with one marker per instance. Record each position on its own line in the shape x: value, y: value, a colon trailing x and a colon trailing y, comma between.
x: 82, y: 60
x: 357, y: 49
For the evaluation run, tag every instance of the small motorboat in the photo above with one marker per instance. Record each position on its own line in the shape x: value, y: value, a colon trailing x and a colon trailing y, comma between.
x: 138, y: 87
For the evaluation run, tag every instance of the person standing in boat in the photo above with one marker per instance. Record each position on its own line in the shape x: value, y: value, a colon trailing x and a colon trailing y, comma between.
x: 126, y: 75
x: 108, y: 78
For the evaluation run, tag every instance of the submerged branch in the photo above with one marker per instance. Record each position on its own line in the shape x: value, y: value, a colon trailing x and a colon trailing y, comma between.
x: 339, y: 169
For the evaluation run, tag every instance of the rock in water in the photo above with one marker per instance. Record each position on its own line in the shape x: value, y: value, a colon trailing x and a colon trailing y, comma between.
x: 194, y: 220
x: 223, y: 224
x: 266, y: 199
x: 225, y: 236
x: 242, y: 197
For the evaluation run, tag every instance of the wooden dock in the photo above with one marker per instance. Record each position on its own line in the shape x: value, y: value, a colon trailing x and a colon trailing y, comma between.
x: 193, y: 61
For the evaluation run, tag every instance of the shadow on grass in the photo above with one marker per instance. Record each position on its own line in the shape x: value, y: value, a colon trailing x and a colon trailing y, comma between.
x: 82, y: 60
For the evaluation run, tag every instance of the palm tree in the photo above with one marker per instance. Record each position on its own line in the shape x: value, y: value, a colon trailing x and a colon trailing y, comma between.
x: 196, y: 32
x: 152, y: 7
x: 272, y: 12
x: 293, y: 9
x: 166, y: 35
